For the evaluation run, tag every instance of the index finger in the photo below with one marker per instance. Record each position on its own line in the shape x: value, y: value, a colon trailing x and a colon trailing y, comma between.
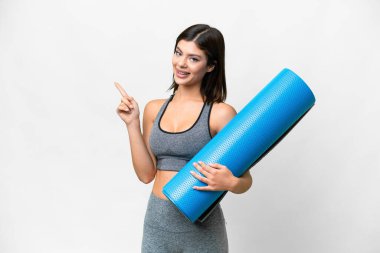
x: 121, y: 90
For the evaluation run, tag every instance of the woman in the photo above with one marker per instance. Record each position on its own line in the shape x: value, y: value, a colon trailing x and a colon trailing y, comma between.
x: 174, y: 130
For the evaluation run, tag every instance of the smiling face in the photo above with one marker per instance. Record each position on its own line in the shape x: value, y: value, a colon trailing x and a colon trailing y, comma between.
x: 189, y: 64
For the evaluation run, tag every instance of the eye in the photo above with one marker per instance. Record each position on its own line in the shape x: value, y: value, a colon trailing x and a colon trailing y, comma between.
x: 176, y: 52
x: 194, y: 59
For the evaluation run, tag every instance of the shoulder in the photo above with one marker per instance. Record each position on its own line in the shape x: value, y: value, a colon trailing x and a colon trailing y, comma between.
x: 220, y: 115
x: 223, y: 110
x: 152, y: 107
x: 154, y: 104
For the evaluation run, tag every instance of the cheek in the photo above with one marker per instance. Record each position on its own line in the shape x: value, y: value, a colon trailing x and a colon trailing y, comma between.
x: 200, y: 70
x: 173, y: 61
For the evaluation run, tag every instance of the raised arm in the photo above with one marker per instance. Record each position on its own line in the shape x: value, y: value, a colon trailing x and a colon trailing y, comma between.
x: 142, y: 158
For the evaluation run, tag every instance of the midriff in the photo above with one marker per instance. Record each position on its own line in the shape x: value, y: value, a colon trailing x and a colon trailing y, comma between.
x: 162, y: 177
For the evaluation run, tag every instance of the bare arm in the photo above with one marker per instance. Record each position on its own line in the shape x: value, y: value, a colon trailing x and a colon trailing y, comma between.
x: 142, y: 159
x: 241, y: 184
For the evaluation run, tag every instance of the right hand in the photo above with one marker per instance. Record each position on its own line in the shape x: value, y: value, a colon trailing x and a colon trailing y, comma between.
x: 128, y: 108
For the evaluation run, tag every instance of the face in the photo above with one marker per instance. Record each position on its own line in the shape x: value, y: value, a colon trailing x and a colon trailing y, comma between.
x: 189, y: 64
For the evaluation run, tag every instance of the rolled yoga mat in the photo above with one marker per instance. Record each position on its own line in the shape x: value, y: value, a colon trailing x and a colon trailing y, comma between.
x: 250, y: 135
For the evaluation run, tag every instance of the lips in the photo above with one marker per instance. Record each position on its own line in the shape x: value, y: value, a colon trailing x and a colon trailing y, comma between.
x: 182, y: 74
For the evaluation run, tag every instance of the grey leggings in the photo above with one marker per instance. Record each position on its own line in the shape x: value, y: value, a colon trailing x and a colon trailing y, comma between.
x: 167, y: 230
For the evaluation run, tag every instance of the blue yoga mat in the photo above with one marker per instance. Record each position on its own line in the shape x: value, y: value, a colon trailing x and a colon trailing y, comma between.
x: 255, y: 130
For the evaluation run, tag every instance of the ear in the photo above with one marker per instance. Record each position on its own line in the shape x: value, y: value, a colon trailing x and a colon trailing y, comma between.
x: 211, y: 67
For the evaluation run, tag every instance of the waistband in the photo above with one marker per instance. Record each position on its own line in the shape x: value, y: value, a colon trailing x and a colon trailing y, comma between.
x: 162, y: 214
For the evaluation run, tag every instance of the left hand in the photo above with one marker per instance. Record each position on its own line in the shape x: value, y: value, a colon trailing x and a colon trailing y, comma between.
x: 217, y: 177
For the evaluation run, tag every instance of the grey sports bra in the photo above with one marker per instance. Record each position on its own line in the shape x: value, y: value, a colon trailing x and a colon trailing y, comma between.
x: 174, y: 150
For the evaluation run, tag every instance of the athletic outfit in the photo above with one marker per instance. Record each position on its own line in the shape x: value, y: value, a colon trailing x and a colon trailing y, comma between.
x: 166, y: 229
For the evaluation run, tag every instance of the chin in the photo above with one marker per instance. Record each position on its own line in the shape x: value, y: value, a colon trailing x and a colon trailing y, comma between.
x: 180, y: 81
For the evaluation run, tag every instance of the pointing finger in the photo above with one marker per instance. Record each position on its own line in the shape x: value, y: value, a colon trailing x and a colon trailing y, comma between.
x: 121, y: 90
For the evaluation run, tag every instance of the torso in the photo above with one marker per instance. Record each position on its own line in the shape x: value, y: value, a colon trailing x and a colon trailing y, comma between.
x: 178, y: 119
x: 162, y: 178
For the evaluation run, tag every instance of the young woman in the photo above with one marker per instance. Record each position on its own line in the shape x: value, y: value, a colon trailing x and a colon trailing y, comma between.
x: 174, y: 130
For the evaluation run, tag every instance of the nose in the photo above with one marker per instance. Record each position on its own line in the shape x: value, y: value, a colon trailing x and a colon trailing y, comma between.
x: 182, y: 62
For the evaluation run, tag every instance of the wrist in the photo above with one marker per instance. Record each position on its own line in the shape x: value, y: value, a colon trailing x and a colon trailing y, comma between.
x: 233, y: 184
x: 133, y: 123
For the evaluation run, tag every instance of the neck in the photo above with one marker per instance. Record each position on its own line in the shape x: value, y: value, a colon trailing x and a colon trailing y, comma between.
x: 188, y: 93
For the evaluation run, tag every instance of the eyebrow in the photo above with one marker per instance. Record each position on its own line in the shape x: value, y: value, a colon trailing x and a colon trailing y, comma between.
x: 189, y: 54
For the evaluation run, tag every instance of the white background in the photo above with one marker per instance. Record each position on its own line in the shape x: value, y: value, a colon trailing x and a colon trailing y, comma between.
x: 66, y: 177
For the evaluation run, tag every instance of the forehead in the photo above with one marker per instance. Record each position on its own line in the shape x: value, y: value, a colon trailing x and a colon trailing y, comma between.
x: 189, y: 47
